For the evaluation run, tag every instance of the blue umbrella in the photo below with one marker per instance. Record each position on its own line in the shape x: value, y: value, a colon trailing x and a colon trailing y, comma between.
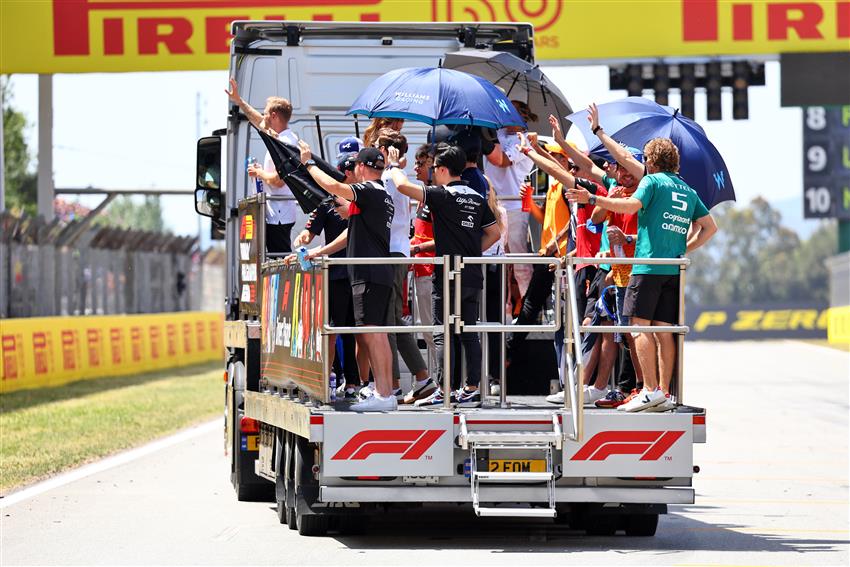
x: 437, y: 96
x: 635, y: 120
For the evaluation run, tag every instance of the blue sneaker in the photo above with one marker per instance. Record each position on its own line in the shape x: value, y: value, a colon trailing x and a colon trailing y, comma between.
x: 468, y: 399
x: 435, y: 399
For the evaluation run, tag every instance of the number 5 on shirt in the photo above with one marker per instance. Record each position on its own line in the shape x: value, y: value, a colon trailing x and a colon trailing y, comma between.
x: 679, y: 201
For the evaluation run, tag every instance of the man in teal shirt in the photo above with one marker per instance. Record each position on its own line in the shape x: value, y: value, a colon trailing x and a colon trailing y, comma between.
x: 671, y: 222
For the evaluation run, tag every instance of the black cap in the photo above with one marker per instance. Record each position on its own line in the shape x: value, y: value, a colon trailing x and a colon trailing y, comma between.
x: 371, y: 157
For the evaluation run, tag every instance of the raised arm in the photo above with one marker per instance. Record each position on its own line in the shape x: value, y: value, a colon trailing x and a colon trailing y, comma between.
x: 402, y: 183
x: 582, y: 161
x: 549, y: 166
x: 703, y: 229
x: 618, y: 152
x: 327, y: 182
x: 627, y: 205
x: 254, y: 116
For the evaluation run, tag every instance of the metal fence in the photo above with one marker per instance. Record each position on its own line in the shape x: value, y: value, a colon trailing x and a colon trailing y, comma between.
x: 72, y: 268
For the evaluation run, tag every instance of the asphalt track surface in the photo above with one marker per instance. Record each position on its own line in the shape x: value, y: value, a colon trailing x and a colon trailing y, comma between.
x: 773, y: 490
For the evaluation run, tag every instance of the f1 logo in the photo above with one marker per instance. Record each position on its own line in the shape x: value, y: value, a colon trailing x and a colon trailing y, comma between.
x: 411, y: 444
x: 650, y: 445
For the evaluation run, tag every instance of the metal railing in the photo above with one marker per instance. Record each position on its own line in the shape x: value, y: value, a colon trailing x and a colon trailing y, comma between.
x: 575, y: 400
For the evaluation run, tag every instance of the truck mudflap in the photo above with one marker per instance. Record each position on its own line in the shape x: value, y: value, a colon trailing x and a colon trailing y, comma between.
x: 391, y: 444
x: 635, y: 445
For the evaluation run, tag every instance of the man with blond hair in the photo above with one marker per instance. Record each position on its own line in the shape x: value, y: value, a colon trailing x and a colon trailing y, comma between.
x: 672, y: 220
x: 280, y: 215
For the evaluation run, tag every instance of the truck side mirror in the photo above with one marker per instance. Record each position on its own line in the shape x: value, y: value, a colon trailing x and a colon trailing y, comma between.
x: 208, y: 178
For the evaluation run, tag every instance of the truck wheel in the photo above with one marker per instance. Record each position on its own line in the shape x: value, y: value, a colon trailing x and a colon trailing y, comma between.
x: 601, y: 525
x: 642, y: 525
x: 280, y: 476
x: 289, y: 480
x: 309, y: 523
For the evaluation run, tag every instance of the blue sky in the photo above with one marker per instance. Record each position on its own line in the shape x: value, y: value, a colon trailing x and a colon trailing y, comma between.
x: 138, y: 130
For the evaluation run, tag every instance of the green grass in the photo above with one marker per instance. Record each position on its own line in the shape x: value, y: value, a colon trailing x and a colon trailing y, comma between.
x: 47, y: 431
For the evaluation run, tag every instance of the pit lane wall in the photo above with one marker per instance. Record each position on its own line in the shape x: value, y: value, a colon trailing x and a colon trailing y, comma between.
x: 43, y: 352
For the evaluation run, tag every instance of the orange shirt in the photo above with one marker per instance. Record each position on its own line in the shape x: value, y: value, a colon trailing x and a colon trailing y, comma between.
x: 556, y: 217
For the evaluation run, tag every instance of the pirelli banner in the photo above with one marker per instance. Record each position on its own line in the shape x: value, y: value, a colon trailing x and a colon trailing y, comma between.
x: 754, y: 321
x: 96, y: 36
x: 50, y: 351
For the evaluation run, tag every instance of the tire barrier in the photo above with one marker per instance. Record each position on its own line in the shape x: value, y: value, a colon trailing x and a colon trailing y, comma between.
x: 43, y: 352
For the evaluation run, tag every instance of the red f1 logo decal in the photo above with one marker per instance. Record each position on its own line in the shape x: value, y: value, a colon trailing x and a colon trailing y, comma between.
x: 410, y: 443
x: 649, y: 444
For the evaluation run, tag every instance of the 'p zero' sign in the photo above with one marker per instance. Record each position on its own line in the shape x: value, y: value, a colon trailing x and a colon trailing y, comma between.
x: 388, y: 445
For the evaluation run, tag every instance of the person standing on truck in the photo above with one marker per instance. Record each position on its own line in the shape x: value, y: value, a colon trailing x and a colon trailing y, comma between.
x: 622, y: 238
x: 369, y: 222
x: 464, y: 225
x: 331, y: 218
x: 672, y: 220
x: 422, y: 246
x: 280, y: 215
x: 401, y: 343
x: 507, y: 168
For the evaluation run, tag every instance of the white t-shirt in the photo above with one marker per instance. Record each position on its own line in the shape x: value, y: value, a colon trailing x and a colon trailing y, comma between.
x: 508, y: 180
x: 400, y: 230
x: 279, y: 212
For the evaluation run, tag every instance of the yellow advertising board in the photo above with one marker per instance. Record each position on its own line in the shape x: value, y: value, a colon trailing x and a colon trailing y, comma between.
x: 84, y: 36
x: 49, y: 351
x: 839, y: 325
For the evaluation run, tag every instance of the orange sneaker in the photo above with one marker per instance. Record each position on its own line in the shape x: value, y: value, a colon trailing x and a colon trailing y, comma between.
x: 629, y: 398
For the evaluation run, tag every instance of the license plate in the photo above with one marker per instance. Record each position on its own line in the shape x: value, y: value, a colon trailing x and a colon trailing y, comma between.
x: 517, y: 465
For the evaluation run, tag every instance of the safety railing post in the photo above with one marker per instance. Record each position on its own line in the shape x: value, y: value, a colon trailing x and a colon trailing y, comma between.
x: 327, y: 360
x: 484, y: 385
x: 503, y: 374
x: 447, y: 334
x: 680, y: 339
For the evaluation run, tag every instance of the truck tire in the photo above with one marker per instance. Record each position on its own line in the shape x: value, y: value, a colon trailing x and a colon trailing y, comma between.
x: 280, y: 475
x: 601, y: 524
x: 641, y: 525
x: 309, y: 523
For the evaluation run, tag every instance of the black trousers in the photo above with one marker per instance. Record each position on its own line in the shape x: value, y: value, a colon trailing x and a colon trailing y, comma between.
x: 494, y: 309
x: 539, y: 288
x: 348, y: 368
x: 470, y: 342
x: 279, y: 238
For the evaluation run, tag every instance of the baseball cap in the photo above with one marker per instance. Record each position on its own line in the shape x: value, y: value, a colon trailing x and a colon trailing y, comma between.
x: 348, y: 145
x: 346, y: 161
x: 371, y: 157
x: 554, y: 149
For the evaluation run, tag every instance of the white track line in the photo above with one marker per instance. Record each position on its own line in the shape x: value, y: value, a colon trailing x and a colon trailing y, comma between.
x: 109, y: 462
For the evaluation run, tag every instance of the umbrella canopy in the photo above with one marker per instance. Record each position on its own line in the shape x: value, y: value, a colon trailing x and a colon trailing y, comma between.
x: 520, y: 79
x: 635, y: 120
x: 287, y: 161
x: 436, y: 96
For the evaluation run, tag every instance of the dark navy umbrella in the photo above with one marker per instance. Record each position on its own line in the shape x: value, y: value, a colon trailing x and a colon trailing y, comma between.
x: 437, y: 96
x: 635, y: 120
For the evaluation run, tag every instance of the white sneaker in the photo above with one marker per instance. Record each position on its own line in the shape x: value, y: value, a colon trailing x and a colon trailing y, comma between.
x: 376, y: 403
x: 556, y: 398
x: 666, y: 405
x: 646, y: 399
x: 367, y: 391
x: 495, y: 389
x: 592, y: 395
x: 420, y: 391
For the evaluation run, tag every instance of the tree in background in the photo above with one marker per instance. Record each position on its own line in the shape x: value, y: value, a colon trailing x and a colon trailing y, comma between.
x: 755, y: 259
x: 125, y: 212
x: 20, y: 178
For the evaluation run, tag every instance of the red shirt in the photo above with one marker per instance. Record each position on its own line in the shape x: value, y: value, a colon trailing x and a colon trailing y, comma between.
x: 587, y: 243
x: 423, y: 231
